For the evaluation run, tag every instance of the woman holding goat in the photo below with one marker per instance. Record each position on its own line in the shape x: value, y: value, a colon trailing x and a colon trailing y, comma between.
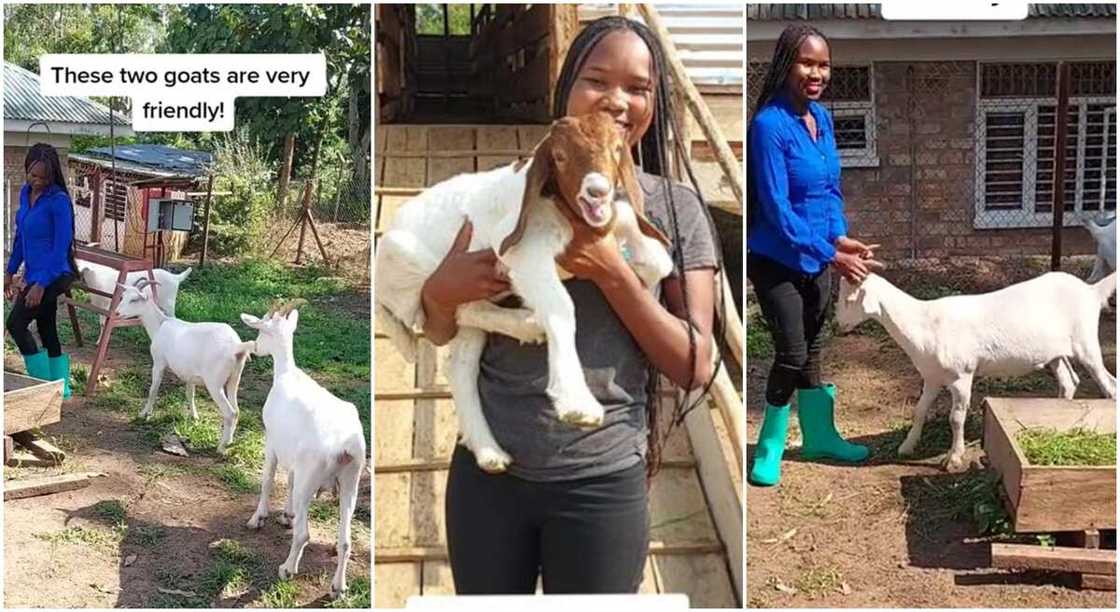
x: 572, y: 507
x: 44, y: 246
x: 796, y: 232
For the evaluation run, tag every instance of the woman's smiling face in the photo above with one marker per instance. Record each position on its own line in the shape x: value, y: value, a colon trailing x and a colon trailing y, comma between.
x: 38, y: 176
x: 617, y: 78
x: 811, y: 70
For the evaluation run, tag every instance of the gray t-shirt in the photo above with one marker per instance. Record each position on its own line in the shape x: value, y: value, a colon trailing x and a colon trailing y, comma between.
x: 513, y: 376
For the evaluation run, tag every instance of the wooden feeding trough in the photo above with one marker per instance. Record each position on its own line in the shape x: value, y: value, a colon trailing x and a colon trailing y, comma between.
x: 1077, y: 500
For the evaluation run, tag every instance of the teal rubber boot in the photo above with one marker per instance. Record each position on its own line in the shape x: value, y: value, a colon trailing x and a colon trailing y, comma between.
x: 820, y: 440
x: 60, y: 369
x: 38, y: 365
x: 767, y: 468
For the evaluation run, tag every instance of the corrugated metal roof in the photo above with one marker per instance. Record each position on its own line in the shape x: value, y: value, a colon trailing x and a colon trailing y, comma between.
x: 159, y: 157
x: 796, y: 12
x: 708, y: 37
x: 24, y: 101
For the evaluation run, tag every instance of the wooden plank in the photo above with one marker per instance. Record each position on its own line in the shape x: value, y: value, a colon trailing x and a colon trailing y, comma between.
x: 1098, y: 582
x: 1001, y: 455
x: 1087, y: 538
x: 678, y: 510
x: 22, y: 458
x: 498, y: 138
x: 437, y: 579
x: 391, y: 507
x: 393, y: 373
x: 394, y: 583
x: 405, y: 172
x: 31, y: 405
x: 443, y: 168
x: 703, y: 578
x: 530, y: 135
x: 9, y: 448
x: 1065, y: 498
x: 1054, y: 558
x: 19, y: 489
x: 426, y: 508
x: 42, y: 449
x: 388, y: 209
x: 14, y: 381
x: 649, y: 584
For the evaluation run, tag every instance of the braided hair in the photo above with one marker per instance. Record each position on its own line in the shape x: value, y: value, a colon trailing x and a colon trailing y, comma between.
x: 48, y: 156
x: 654, y: 153
x: 785, y: 54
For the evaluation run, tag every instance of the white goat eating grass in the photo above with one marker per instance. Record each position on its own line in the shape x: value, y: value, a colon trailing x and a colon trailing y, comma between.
x: 526, y: 214
x: 1040, y: 323
x: 208, y: 354
x: 315, y: 436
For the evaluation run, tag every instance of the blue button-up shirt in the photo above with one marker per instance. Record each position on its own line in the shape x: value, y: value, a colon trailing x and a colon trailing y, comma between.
x: 43, y: 234
x: 796, y: 184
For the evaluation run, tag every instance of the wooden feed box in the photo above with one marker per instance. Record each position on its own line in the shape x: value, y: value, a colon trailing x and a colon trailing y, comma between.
x: 30, y: 402
x: 1051, y: 498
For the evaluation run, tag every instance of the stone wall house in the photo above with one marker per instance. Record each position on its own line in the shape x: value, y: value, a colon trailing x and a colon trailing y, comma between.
x: 947, y: 129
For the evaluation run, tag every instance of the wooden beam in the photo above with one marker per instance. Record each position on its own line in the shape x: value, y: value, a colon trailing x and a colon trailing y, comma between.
x: 696, y: 104
x: 19, y: 489
x: 1054, y: 558
x: 1098, y: 582
x: 731, y: 408
x: 40, y: 448
x: 35, y: 404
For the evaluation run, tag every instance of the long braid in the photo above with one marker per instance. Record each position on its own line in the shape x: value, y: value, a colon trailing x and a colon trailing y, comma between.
x: 654, y: 153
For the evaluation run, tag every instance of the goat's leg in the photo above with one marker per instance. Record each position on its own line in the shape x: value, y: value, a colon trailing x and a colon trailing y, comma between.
x: 190, y: 400
x: 347, y: 499
x: 1100, y: 270
x: 918, y: 418
x: 157, y: 377
x: 229, y: 415
x: 463, y: 366
x: 1088, y: 353
x: 962, y: 395
x: 533, y: 274
x: 285, y: 517
x: 268, y: 475
x: 517, y: 323
x: 305, y: 486
x: 1066, y: 377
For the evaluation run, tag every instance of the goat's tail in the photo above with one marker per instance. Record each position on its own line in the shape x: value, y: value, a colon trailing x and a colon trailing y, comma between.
x: 399, y: 334
x: 244, y: 350
x: 1105, y: 288
x: 182, y: 276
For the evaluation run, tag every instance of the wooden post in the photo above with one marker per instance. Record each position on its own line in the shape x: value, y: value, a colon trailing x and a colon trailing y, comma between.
x: 96, y: 208
x: 206, y: 221
x: 1061, y: 126
x: 304, y: 212
x: 285, y: 170
x: 696, y: 104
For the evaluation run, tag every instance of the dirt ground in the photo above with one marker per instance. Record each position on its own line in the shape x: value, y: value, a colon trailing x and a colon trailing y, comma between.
x: 68, y: 549
x: 879, y: 534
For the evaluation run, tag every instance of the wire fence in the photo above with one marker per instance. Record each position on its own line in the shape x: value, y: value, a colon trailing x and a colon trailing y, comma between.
x: 957, y: 158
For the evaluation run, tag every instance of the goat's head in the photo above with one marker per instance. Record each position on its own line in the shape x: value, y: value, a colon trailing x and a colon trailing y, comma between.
x: 276, y: 328
x: 583, y: 162
x: 856, y: 303
x: 135, y: 298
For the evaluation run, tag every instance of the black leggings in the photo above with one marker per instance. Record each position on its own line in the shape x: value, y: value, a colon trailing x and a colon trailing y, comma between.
x: 45, y: 316
x: 796, y: 308
x: 581, y: 536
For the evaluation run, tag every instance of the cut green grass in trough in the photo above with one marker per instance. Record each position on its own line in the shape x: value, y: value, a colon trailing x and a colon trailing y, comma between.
x: 1080, y: 446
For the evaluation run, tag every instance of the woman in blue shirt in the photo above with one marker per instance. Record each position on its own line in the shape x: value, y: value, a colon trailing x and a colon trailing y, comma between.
x: 797, y: 230
x: 44, y: 246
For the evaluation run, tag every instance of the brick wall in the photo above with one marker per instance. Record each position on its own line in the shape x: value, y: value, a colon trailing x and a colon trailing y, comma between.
x: 919, y: 201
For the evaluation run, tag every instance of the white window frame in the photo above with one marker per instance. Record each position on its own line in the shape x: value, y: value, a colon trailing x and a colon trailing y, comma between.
x: 1026, y: 217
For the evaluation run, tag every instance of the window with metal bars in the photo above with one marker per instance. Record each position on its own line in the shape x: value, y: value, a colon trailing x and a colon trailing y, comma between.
x: 850, y: 99
x: 1017, y: 129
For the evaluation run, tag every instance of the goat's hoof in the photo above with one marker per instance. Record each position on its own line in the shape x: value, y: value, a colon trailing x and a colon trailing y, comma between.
x: 954, y: 465
x: 493, y: 460
x: 256, y: 522
x: 905, y: 450
x: 337, y: 590
x: 284, y: 573
x: 285, y: 519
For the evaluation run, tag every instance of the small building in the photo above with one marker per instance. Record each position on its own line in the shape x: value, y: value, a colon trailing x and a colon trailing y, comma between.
x: 30, y: 118
x: 947, y: 129
x: 113, y: 187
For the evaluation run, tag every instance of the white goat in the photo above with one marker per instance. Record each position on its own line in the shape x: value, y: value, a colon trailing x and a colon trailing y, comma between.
x: 312, y: 434
x: 208, y: 354
x: 585, y: 158
x: 1104, y: 234
x: 1042, y: 322
x: 104, y: 278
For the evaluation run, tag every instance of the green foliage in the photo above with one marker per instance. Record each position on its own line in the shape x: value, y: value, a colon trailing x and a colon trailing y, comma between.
x: 429, y: 19
x: 32, y: 30
x: 1079, y: 446
x: 238, y: 220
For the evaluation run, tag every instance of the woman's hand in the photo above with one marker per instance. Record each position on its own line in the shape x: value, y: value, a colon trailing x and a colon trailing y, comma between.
x: 855, y: 267
x: 461, y: 277
x: 592, y: 257
x: 850, y: 245
x: 12, y: 286
x: 34, y: 296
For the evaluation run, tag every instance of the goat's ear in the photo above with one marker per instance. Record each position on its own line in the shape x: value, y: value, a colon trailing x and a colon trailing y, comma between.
x: 293, y: 317
x: 250, y: 320
x: 628, y: 172
x: 540, y: 171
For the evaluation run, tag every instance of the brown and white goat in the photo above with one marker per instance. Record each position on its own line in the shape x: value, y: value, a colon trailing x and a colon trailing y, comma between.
x: 581, y: 177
